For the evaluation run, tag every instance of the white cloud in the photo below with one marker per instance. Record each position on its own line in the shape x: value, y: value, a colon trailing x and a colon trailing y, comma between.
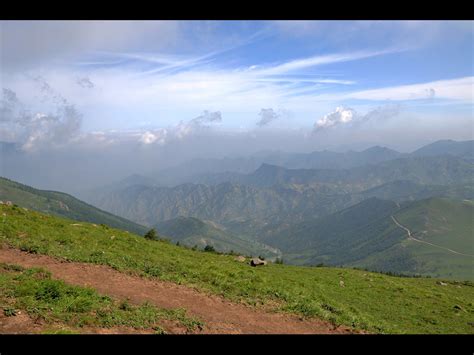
x: 180, y: 131
x: 31, y: 126
x: 340, y: 116
x: 148, y: 137
x: 346, y: 115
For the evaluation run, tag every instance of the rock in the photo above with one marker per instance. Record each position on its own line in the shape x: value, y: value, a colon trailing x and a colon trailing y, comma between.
x: 9, y: 203
x: 442, y: 283
x: 341, y: 283
x: 240, y: 258
x: 257, y: 262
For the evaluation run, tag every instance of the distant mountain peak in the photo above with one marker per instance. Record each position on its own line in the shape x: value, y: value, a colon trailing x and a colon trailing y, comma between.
x: 379, y: 149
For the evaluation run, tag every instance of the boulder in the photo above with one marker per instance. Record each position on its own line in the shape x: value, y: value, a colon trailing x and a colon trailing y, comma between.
x: 257, y: 262
x: 240, y: 258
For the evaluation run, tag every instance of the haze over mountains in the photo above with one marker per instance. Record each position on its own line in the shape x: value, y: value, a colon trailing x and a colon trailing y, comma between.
x: 275, y: 204
x: 323, y: 207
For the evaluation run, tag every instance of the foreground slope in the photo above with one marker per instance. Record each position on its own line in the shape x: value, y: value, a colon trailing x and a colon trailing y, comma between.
x: 61, y: 204
x: 359, y: 299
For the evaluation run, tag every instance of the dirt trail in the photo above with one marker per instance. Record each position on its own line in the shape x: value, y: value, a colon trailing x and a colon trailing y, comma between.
x: 422, y: 241
x: 218, y: 314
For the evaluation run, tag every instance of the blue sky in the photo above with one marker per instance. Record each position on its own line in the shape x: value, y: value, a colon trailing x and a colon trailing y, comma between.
x: 155, y: 79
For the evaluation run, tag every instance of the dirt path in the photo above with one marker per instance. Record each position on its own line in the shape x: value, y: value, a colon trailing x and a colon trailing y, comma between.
x: 218, y: 314
x: 422, y: 241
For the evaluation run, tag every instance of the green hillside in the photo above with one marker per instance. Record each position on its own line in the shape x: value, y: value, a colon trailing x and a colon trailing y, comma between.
x: 346, y: 236
x: 365, y: 235
x: 61, y: 204
x: 404, y: 305
x: 448, y: 224
x: 191, y: 231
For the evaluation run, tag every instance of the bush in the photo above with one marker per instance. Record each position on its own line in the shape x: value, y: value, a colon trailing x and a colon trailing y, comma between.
x: 279, y: 261
x: 151, y: 234
x: 209, y: 248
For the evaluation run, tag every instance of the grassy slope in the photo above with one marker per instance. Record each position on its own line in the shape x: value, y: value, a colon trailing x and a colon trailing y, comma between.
x: 372, y: 301
x: 364, y: 235
x: 447, y: 223
x: 441, y: 221
x: 73, y: 307
x: 61, y: 204
x: 191, y: 231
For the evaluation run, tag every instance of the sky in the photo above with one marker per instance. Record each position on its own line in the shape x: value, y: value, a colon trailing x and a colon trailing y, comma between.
x: 242, y: 85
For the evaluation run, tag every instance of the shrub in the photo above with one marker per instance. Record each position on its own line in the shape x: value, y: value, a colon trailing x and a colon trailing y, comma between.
x: 151, y: 234
x: 9, y: 312
x: 209, y: 248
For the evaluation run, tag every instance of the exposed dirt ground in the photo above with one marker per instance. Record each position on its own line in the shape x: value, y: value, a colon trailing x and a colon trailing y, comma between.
x: 219, y: 315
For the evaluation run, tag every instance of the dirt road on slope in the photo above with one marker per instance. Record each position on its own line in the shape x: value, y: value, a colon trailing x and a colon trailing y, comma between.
x: 422, y: 241
x: 219, y: 315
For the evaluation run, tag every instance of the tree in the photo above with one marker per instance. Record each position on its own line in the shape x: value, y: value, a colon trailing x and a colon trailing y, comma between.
x: 209, y: 248
x: 151, y: 234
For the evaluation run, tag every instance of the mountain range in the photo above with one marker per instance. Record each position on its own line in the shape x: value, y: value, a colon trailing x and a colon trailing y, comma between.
x: 343, y: 212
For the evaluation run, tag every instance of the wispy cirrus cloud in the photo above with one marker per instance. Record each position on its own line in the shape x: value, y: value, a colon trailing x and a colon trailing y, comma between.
x: 303, y: 63
x: 454, y: 89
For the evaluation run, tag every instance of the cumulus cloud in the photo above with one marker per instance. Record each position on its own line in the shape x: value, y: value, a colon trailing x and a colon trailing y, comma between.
x: 181, y: 130
x: 340, y: 116
x: 34, y: 127
x: 346, y: 115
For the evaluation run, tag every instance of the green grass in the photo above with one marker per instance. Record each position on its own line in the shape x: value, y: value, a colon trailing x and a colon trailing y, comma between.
x: 444, y: 222
x: 371, y: 301
x: 365, y: 236
x: 54, y: 301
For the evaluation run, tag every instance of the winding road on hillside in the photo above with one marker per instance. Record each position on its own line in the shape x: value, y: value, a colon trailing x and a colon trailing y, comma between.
x: 219, y: 315
x: 410, y: 237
